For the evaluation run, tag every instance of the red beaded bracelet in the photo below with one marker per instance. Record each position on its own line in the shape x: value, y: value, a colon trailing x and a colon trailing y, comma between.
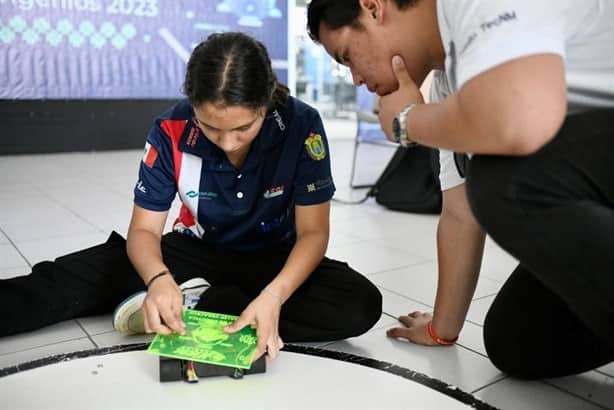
x: 437, y: 339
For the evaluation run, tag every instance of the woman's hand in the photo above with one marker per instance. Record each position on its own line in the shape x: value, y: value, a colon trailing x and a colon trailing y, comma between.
x: 416, y: 330
x: 263, y: 314
x: 162, y: 307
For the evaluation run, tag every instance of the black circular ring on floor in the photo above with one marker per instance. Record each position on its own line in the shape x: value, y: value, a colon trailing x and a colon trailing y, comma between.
x: 435, y: 384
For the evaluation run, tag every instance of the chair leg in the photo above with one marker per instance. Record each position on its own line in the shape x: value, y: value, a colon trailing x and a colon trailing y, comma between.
x: 352, y: 186
x: 354, y: 161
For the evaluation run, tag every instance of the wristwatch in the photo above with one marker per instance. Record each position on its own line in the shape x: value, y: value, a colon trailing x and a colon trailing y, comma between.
x: 399, y: 127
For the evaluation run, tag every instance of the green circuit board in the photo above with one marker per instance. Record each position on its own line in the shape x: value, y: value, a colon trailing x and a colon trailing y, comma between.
x: 205, y: 341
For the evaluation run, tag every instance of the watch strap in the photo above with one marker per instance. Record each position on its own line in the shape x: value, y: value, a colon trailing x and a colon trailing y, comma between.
x: 402, y: 118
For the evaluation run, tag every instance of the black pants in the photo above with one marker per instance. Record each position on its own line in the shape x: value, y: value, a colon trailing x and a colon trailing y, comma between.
x: 335, y: 302
x: 554, y: 212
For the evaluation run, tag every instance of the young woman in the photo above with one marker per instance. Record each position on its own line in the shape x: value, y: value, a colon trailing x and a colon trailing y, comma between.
x: 251, y: 167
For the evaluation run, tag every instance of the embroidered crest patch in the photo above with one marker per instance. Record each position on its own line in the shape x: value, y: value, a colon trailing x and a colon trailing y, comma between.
x: 315, y: 147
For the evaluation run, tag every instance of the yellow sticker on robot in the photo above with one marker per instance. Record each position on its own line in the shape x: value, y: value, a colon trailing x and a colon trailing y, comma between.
x: 315, y: 147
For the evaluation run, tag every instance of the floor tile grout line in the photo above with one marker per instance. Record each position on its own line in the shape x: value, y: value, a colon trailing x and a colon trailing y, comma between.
x: 383, y: 242
x: 105, y: 332
x: 405, y: 297
x: 574, y: 394
x: 474, y: 323
x: 390, y: 315
x: 58, y: 236
x: 492, y: 383
x: 72, y: 212
x: 379, y: 272
x: 87, y: 333
x: 16, y: 248
x: 429, y: 306
x: 604, y: 373
x: 473, y: 351
x: 69, y: 210
x: 395, y: 248
x: 43, y: 345
x: 484, y: 297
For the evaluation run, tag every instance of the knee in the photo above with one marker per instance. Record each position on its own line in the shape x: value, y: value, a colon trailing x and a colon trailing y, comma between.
x: 509, y: 349
x: 497, y: 345
x: 373, y: 305
x: 364, y: 310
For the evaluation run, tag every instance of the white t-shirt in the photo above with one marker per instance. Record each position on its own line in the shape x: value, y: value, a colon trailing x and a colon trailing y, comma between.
x: 480, y: 34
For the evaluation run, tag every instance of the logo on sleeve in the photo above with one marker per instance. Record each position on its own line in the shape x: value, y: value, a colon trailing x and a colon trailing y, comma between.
x: 497, y: 21
x: 141, y: 187
x: 319, y: 184
x: 315, y: 147
x: 150, y: 155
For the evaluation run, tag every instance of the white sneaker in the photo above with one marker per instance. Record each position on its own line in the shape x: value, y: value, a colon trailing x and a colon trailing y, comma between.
x: 128, y: 315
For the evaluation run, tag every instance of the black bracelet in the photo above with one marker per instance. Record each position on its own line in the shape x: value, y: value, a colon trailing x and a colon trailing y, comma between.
x: 156, y: 276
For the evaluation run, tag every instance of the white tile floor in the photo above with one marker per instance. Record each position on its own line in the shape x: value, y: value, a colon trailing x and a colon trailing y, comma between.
x: 57, y: 203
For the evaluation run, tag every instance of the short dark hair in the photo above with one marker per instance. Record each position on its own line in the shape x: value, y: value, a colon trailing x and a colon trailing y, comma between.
x: 232, y: 69
x: 338, y: 13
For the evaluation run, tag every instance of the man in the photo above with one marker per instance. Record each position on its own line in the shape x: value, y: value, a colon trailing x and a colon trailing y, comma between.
x: 529, y: 89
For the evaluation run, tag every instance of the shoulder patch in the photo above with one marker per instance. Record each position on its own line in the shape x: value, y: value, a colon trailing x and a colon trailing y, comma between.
x: 315, y: 147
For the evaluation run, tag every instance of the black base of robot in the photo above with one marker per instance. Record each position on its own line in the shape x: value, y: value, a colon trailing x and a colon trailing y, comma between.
x: 175, y: 369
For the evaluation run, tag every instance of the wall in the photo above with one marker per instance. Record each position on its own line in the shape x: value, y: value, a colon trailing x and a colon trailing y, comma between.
x: 39, y: 126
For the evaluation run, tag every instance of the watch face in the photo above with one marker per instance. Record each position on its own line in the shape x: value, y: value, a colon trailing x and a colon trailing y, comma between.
x: 396, y: 130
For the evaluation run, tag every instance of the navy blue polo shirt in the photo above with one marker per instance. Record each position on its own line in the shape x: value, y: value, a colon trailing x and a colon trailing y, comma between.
x: 244, y: 209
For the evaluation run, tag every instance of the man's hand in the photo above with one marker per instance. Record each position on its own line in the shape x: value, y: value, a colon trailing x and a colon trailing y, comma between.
x: 263, y: 314
x: 416, y: 330
x: 407, y: 93
x: 162, y: 307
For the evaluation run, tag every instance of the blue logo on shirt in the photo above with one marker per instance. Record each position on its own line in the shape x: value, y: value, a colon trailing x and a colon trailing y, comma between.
x: 204, y: 195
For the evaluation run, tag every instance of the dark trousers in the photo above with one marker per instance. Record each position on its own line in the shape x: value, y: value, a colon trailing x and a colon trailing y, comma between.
x: 336, y: 302
x: 554, y: 212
